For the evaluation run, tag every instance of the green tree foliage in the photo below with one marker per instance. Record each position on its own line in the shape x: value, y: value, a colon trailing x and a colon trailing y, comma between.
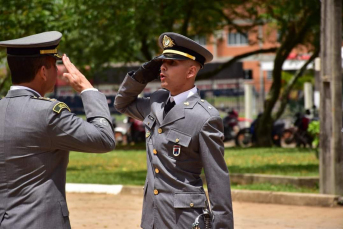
x: 24, y: 18
x: 298, y: 23
x: 27, y: 17
x: 98, y: 33
x: 101, y: 32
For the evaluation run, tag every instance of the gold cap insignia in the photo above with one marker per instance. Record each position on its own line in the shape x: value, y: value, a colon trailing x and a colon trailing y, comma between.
x: 167, y: 42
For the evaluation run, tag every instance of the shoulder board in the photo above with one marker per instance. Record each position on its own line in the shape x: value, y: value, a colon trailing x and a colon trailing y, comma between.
x: 208, y: 107
x: 59, y: 107
x: 44, y: 98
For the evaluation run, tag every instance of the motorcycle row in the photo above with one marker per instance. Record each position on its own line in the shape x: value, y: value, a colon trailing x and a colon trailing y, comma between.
x: 283, y: 134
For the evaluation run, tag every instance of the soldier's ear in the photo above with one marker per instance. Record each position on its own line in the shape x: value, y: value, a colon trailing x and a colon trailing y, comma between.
x: 43, y: 73
x: 192, y: 72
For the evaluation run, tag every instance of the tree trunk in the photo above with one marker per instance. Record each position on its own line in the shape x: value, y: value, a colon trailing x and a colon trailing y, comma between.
x: 265, y: 123
x: 291, y: 83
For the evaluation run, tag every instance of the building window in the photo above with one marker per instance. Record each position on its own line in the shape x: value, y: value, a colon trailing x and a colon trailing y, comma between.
x: 200, y: 39
x: 248, y: 74
x: 237, y: 39
x: 269, y: 75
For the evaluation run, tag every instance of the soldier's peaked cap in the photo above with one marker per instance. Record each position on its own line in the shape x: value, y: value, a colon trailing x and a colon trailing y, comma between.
x: 34, y: 46
x: 179, y: 47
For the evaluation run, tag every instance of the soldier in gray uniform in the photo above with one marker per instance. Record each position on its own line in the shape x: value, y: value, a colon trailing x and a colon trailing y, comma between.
x: 37, y: 133
x: 184, y: 134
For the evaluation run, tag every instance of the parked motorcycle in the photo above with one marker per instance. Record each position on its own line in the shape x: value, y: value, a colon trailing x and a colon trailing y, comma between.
x: 133, y: 131
x: 136, y: 130
x: 231, y: 126
x: 247, y: 137
x: 298, y: 134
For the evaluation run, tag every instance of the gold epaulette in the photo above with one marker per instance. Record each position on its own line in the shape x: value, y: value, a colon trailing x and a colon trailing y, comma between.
x: 44, y: 98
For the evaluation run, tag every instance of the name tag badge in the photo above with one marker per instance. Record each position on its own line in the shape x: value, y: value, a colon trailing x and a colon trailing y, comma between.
x: 151, y: 118
x: 176, y: 150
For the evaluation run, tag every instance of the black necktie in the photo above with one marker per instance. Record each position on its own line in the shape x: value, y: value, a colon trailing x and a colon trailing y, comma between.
x: 169, y: 106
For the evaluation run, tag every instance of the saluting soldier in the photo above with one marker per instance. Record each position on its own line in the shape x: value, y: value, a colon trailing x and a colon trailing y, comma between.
x: 37, y: 133
x: 184, y: 134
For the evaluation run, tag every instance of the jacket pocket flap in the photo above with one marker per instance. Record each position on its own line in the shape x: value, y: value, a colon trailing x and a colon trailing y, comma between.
x: 179, y: 138
x: 149, y: 121
x: 64, y: 208
x: 189, y: 200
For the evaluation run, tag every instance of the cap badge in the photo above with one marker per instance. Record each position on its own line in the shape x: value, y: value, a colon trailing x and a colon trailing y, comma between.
x: 167, y: 42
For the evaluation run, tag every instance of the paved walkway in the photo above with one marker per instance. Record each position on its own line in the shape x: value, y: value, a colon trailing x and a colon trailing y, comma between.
x: 97, y: 211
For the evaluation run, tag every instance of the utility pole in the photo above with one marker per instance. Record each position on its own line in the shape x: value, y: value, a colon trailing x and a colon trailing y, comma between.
x: 331, y: 154
x: 262, y: 93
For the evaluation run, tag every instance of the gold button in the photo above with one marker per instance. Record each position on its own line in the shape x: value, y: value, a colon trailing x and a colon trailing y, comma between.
x: 147, y: 134
x: 160, y: 130
x: 154, y: 151
x: 155, y: 191
x: 191, y: 205
x: 157, y: 171
x: 186, y: 103
x: 177, y: 140
x: 202, y: 100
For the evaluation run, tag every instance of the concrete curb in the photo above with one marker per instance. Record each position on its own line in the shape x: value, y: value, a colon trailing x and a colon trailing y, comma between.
x: 94, y: 188
x: 284, y: 198
x: 274, y: 179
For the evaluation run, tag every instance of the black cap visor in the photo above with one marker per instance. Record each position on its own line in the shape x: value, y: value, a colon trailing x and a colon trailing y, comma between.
x: 171, y: 56
x: 56, y: 56
x: 34, y: 52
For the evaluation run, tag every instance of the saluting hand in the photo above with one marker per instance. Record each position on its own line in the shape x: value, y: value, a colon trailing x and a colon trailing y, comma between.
x: 74, y: 77
x: 149, y: 71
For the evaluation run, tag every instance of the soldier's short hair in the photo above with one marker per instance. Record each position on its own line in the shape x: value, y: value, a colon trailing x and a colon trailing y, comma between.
x: 24, y: 69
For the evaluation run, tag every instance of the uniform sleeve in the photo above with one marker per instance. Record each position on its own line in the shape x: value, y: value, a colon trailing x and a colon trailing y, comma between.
x: 69, y: 132
x: 216, y: 172
x: 127, y: 102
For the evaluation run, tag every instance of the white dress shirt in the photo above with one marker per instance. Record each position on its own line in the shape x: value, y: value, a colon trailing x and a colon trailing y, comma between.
x: 180, y: 98
x: 16, y: 87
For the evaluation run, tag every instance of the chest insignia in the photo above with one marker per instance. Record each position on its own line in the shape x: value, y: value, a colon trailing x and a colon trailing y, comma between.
x: 176, y: 150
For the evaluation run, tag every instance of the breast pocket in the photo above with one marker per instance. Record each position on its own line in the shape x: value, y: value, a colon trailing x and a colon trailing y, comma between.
x: 179, y: 144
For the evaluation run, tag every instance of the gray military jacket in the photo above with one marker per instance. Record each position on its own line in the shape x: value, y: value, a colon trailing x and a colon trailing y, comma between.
x: 188, y: 139
x: 36, y: 135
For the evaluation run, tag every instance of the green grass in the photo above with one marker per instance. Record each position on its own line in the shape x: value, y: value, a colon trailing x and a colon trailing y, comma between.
x: 116, y: 167
x: 127, y: 165
x: 273, y: 161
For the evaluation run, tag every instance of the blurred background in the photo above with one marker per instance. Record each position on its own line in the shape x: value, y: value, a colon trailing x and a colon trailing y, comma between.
x: 263, y: 54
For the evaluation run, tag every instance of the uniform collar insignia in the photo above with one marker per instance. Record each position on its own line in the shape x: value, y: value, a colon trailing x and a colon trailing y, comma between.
x: 167, y: 42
